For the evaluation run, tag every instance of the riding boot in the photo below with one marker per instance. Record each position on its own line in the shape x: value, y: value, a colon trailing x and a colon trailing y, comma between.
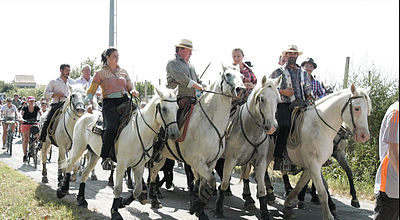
x: 108, y: 142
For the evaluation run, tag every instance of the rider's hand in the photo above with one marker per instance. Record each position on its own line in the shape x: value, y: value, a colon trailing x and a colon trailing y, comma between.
x: 135, y: 93
x: 198, y: 86
x: 90, y: 109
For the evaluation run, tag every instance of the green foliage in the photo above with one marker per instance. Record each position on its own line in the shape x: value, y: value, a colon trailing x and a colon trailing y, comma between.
x: 77, y: 71
x: 6, y: 87
x: 364, y: 158
x: 140, y: 88
x: 36, y: 92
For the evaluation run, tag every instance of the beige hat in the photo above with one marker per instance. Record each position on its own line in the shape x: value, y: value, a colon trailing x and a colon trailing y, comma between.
x: 185, y: 43
x: 292, y: 48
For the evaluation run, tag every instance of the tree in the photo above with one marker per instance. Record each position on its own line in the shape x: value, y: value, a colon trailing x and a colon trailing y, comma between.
x: 140, y: 88
x: 6, y: 87
x: 77, y: 71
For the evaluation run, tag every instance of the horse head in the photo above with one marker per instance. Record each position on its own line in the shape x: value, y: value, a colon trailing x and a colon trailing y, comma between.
x: 76, y: 99
x: 263, y: 102
x: 166, y: 111
x: 355, y: 113
x: 231, y: 82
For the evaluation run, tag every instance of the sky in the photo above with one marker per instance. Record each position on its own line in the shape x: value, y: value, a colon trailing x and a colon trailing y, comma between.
x: 38, y: 36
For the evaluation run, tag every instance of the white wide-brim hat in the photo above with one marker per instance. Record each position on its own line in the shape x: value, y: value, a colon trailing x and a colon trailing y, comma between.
x: 292, y: 48
x: 185, y: 43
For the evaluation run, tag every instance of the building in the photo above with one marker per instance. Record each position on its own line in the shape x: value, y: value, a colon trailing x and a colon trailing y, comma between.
x: 24, y: 81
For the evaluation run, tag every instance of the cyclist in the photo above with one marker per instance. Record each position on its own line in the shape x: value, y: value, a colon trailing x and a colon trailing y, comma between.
x: 9, y: 113
x: 29, y: 114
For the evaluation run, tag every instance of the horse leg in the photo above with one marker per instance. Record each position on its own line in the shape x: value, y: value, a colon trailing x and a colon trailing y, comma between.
x: 75, y: 171
x: 316, y: 176
x: 340, y: 156
x: 138, y: 171
x: 261, y: 191
x: 129, y: 182
x: 189, y: 177
x: 43, y: 153
x: 155, y: 203
x: 207, y: 185
x: 301, y: 196
x: 143, y: 196
x: 118, y: 201
x: 93, y: 158
x: 89, y: 156
x: 288, y: 187
x: 270, y: 188
x: 61, y: 160
x: 288, y: 209
x: 249, y: 202
x: 228, y: 165
x: 332, y: 206
x: 76, y: 153
x: 111, y: 178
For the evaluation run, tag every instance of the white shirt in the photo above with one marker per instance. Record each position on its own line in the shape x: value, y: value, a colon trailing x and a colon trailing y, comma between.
x: 83, y: 82
x: 9, y: 112
x: 56, y: 86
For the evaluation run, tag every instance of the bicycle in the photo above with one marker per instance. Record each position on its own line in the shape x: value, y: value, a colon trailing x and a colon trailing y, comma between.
x: 10, y: 136
x: 33, y: 142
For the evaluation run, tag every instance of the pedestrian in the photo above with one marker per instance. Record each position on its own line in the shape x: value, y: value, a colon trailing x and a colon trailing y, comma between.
x: 387, y: 176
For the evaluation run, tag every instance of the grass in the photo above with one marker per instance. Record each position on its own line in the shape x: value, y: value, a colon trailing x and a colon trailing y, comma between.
x: 22, y: 198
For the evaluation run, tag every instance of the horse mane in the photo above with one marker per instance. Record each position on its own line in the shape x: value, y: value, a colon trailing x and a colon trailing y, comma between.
x: 259, y: 88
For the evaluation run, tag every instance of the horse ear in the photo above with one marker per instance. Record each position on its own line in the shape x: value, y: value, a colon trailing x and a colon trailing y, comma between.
x: 353, y: 89
x: 223, y: 68
x: 264, y: 80
x: 159, y: 92
x: 368, y: 90
x: 176, y: 90
x: 278, y: 81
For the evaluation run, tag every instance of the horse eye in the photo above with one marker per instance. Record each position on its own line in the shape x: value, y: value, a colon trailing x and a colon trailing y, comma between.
x: 228, y: 75
x: 164, y: 109
x: 357, y: 109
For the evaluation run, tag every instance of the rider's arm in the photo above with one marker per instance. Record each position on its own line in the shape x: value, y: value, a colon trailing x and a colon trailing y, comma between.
x: 49, y: 91
x: 93, y: 87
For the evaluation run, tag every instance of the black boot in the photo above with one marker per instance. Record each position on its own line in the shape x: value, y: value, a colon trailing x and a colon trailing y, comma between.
x: 114, y: 209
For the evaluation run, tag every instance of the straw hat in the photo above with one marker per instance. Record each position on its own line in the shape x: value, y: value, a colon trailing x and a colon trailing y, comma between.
x: 310, y: 61
x: 292, y: 48
x: 185, y: 43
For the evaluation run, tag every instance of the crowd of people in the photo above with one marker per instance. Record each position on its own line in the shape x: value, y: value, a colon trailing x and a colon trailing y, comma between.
x: 298, y: 88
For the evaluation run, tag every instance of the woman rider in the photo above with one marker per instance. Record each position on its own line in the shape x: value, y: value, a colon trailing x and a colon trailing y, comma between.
x: 115, y: 84
x: 29, y: 114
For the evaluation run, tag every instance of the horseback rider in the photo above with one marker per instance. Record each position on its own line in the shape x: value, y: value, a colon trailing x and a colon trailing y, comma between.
x: 295, y: 89
x: 316, y: 88
x: 115, y: 84
x: 58, y: 91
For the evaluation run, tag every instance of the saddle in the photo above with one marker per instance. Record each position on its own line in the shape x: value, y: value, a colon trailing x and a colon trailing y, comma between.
x: 53, y: 125
x: 125, y: 112
x: 186, y: 106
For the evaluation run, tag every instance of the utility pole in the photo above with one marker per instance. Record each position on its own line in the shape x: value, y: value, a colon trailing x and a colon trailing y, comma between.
x: 146, y: 98
x: 112, y: 31
x: 346, y: 73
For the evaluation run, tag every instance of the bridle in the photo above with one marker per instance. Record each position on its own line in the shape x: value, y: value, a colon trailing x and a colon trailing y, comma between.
x: 348, y: 103
x: 158, y: 111
x: 222, y: 87
x: 258, y: 99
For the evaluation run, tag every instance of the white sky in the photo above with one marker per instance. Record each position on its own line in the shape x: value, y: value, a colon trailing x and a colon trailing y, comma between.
x: 37, y: 36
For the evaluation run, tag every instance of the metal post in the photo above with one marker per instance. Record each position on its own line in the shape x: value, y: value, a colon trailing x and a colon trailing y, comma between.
x: 346, y: 73
x: 159, y: 82
x: 146, y: 98
x: 111, y: 26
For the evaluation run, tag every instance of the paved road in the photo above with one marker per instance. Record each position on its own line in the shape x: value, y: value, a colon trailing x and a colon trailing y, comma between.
x: 175, y: 202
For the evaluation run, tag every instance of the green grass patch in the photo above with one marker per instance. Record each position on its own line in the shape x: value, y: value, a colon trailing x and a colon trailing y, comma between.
x: 22, y: 198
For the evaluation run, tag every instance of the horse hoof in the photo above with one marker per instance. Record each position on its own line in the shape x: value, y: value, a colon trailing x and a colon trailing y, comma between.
x: 142, y: 198
x: 218, y: 214
x: 355, y: 203
x: 249, y: 204
x: 110, y: 183
x: 116, y: 216
x: 301, y: 205
x: 155, y: 204
x: 288, y: 213
x: 45, y: 180
x: 60, y: 193
x: 82, y: 202
x: 93, y: 177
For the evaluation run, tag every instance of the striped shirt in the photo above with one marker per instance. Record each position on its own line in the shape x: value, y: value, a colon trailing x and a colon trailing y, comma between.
x: 387, y: 179
x: 316, y: 88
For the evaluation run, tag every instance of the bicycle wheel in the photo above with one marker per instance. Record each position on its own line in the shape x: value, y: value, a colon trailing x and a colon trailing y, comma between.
x: 9, y: 142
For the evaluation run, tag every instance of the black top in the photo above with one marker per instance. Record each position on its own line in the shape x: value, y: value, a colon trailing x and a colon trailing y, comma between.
x: 30, y: 115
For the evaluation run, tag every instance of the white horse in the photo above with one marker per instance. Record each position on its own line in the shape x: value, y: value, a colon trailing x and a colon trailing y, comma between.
x: 248, y: 139
x: 133, y: 147
x: 72, y: 110
x: 318, y: 130
x: 205, y: 137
